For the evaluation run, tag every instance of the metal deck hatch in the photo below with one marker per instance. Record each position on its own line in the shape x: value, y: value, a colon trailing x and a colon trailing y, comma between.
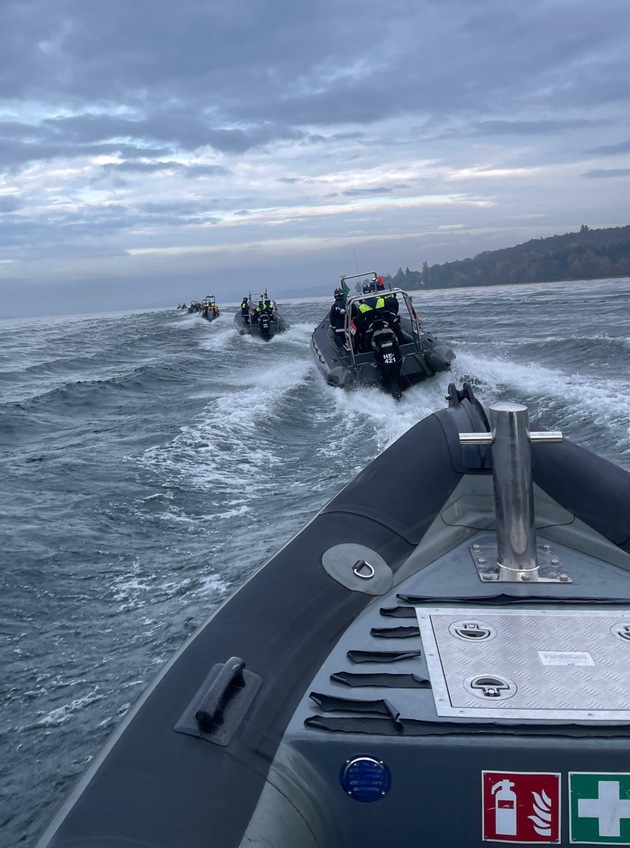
x: 528, y: 664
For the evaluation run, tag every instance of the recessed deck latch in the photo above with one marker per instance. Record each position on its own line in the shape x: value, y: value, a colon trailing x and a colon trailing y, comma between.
x: 491, y: 686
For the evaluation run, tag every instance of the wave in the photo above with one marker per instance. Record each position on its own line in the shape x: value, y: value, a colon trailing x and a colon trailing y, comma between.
x: 588, y: 409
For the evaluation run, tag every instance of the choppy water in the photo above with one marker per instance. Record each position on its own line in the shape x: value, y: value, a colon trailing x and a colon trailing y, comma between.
x: 150, y: 461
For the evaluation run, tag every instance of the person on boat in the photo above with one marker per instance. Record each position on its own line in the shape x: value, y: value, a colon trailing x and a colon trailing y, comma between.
x: 392, y: 308
x: 258, y: 311
x: 390, y: 298
x: 368, y: 310
x: 338, y: 317
x: 268, y: 308
x: 245, y: 306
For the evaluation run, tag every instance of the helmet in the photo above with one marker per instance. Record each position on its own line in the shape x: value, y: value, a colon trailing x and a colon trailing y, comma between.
x: 338, y: 293
x: 366, y: 288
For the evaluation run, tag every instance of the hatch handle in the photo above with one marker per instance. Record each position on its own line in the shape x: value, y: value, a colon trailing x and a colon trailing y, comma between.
x: 225, y: 685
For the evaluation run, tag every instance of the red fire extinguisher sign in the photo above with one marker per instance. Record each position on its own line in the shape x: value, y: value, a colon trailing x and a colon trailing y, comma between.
x: 520, y: 807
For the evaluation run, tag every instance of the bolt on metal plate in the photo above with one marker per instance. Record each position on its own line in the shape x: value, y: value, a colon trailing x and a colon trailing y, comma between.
x: 549, y: 570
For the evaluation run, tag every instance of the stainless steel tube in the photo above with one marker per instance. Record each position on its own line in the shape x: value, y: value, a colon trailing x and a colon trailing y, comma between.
x: 513, y: 491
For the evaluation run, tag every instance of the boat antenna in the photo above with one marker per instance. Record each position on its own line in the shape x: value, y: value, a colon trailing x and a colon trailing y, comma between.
x: 355, y: 259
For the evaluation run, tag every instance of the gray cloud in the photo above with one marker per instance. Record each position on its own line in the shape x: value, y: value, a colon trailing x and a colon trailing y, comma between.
x: 142, y: 167
x: 611, y: 149
x: 9, y: 203
x: 194, y: 171
x: 604, y: 173
x: 526, y: 128
x: 275, y: 105
x: 367, y: 192
x: 312, y: 64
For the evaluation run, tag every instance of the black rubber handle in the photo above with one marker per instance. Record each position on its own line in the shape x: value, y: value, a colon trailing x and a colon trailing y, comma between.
x: 229, y: 679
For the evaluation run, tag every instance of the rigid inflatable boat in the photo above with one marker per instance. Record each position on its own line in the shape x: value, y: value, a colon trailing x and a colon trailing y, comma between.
x: 395, y: 351
x: 209, y: 309
x: 440, y: 658
x: 260, y: 318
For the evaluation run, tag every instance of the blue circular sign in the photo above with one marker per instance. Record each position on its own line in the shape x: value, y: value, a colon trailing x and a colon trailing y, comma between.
x: 365, y: 778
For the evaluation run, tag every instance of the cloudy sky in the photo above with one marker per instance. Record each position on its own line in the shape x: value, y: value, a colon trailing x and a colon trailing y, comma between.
x: 152, y: 151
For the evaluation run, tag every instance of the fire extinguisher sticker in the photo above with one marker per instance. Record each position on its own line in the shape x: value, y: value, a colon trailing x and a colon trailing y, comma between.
x: 520, y: 807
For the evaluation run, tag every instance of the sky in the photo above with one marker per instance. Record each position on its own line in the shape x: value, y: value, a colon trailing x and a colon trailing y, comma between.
x: 153, y: 151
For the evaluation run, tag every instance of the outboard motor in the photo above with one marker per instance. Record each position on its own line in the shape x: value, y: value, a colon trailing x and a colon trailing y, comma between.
x: 265, y: 325
x: 388, y: 357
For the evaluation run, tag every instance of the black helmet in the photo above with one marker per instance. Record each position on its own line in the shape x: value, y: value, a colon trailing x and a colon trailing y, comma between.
x: 366, y: 288
x: 338, y: 293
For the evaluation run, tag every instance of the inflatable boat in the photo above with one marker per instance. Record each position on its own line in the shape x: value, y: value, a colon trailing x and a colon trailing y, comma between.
x: 375, y: 337
x: 209, y: 309
x: 440, y: 658
x: 260, y: 317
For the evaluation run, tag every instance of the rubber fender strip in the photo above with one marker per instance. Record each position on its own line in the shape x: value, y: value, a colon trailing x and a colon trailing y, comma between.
x: 506, y: 600
x: 398, y: 612
x: 392, y: 681
x: 413, y: 727
x: 394, y: 632
x: 330, y: 703
x: 381, y: 656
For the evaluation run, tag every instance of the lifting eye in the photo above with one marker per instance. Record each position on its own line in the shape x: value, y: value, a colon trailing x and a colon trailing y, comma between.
x: 363, y: 569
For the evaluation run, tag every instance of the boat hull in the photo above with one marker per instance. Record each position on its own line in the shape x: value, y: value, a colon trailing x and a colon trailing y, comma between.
x: 247, y: 328
x: 338, y: 368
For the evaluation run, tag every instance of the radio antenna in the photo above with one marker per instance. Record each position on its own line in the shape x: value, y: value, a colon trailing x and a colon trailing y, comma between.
x: 355, y: 259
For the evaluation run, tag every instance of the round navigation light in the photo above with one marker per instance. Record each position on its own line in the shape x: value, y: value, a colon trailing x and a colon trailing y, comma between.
x: 365, y: 778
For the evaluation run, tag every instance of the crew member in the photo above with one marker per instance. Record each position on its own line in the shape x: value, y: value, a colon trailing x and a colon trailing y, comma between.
x: 338, y: 317
x: 367, y: 311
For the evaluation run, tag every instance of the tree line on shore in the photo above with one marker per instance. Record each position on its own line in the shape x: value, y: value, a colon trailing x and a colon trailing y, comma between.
x: 585, y: 255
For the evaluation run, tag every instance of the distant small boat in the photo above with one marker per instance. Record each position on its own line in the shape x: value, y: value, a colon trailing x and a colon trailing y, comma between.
x: 440, y: 658
x: 208, y: 308
x: 260, y: 317
x: 377, y: 339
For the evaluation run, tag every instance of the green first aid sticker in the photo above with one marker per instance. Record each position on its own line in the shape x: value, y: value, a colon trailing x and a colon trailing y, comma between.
x: 599, y: 808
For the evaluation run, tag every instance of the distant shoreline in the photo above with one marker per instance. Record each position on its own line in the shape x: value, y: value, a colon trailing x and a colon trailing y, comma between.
x: 602, y: 254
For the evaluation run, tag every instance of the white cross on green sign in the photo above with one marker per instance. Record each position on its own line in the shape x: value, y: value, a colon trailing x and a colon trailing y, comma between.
x: 599, y: 808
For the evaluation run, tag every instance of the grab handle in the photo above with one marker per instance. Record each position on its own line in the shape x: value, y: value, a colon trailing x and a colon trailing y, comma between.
x: 225, y: 685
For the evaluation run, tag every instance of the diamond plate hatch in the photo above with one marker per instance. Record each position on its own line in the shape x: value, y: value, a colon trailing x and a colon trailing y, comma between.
x: 528, y: 664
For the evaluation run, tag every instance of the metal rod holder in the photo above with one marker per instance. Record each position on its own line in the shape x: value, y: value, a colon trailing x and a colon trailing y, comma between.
x: 513, y: 488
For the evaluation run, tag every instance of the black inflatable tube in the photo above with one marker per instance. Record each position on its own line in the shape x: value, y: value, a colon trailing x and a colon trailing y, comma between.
x: 593, y: 489
x: 164, y: 789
